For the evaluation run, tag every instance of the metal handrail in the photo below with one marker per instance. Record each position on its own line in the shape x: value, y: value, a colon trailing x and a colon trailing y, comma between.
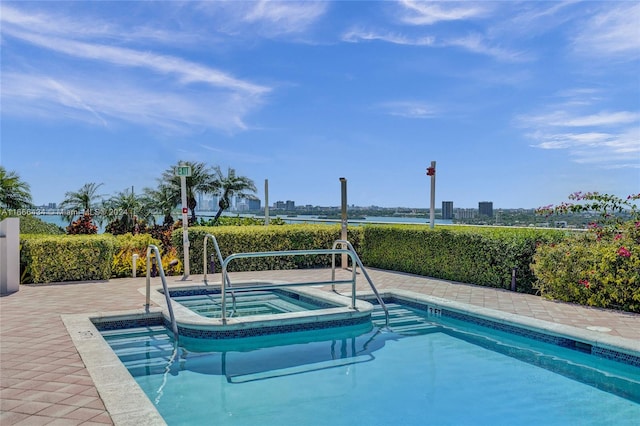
x: 217, y: 247
x: 356, y: 261
x: 167, y: 296
x: 220, y: 259
x: 332, y: 252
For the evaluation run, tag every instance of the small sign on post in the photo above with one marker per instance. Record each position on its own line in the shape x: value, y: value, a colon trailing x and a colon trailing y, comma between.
x: 183, y: 171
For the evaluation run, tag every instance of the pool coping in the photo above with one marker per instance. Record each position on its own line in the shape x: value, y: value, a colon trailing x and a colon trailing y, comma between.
x: 128, y: 405
x: 123, y: 398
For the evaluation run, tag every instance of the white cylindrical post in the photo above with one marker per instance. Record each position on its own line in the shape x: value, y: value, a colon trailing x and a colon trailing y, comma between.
x: 185, y: 226
x: 266, y: 202
x: 134, y: 265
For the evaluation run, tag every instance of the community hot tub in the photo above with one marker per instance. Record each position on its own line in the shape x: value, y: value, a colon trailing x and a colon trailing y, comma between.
x: 256, y: 312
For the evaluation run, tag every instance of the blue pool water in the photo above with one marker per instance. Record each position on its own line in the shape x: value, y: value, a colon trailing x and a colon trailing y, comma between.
x: 427, y: 370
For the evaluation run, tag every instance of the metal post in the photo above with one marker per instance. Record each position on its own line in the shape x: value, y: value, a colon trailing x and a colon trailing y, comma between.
x: 185, y: 223
x: 513, y: 278
x: 432, y: 208
x: 134, y: 265
x: 343, y: 216
x: 266, y: 202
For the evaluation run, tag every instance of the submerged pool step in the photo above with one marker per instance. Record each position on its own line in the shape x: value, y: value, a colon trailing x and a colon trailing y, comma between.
x: 247, y: 303
x: 403, y: 320
x: 135, y: 331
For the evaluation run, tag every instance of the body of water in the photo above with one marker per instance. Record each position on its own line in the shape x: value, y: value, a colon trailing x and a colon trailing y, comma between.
x: 59, y: 221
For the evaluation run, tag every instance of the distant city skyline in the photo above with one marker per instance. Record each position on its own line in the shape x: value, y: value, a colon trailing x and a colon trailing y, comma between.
x: 521, y: 103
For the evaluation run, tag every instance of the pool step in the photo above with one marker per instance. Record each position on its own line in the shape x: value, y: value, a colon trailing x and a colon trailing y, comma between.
x: 142, y: 349
x: 403, y: 320
x: 135, y: 331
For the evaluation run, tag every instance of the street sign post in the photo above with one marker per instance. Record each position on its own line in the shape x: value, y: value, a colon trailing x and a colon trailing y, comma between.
x: 184, y: 172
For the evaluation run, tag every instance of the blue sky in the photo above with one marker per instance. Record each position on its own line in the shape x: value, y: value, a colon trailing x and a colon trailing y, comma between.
x: 520, y: 103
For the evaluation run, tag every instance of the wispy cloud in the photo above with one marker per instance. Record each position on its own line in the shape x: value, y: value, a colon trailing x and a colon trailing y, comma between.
x: 416, y: 15
x: 474, y: 43
x: 265, y: 18
x: 357, y: 34
x: 429, y: 13
x: 88, y: 28
x: 612, y: 32
x: 608, y: 139
x: 185, y: 71
x: 408, y: 109
x: 477, y: 43
x: 104, y: 81
x: 80, y: 99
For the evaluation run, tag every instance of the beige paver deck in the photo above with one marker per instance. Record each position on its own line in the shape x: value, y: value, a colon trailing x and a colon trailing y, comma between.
x: 43, y: 380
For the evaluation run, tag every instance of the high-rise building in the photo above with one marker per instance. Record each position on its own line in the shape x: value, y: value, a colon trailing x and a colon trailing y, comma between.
x: 254, y: 204
x: 485, y: 208
x: 290, y: 205
x: 447, y: 209
x: 465, y: 213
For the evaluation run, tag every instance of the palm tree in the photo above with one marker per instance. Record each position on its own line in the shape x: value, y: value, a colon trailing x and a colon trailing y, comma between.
x: 161, y: 200
x: 201, y: 180
x: 123, y: 211
x: 14, y: 193
x: 232, y: 185
x: 80, y: 202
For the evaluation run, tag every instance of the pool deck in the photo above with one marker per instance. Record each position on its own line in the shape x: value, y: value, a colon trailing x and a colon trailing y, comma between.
x: 43, y: 380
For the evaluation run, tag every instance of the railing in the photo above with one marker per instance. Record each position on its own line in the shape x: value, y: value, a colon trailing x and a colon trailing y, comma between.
x: 217, y: 247
x: 355, y: 260
x: 167, y: 296
x: 220, y: 259
x: 332, y: 252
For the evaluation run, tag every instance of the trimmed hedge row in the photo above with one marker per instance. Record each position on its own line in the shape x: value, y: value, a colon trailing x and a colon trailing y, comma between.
x: 245, y: 239
x: 58, y: 258
x: 48, y: 258
x: 482, y: 256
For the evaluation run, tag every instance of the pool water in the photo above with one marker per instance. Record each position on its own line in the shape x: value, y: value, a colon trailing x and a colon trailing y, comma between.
x: 425, y: 371
x: 248, y: 303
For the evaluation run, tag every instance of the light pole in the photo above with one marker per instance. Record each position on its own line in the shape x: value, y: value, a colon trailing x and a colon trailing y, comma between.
x: 343, y: 216
x: 431, y: 171
x: 266, y: 202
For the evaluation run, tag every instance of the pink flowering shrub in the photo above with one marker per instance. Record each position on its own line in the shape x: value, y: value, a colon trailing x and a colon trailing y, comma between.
x: 600, y: 267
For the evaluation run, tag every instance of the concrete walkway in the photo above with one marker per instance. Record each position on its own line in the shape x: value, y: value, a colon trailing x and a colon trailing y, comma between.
x: 43, y: 380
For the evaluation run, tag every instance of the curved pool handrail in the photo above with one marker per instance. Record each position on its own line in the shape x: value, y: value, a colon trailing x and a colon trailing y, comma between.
x: 219, y: 254
x: 204, y: 263
x: 163, y: 278
x: 356, y: 261
x: 285, y: 253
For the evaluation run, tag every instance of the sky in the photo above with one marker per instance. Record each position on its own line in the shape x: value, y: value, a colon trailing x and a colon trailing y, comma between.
x: 519, y: 103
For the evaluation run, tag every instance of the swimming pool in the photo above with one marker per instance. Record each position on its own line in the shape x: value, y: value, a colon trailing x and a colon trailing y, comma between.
x: 434, y: 366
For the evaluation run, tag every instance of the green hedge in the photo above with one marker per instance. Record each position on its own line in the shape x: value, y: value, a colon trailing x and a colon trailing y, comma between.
x: 482, y: 256
x: 46, y: 259
x: 244, y: 239
x: 34, y: 225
